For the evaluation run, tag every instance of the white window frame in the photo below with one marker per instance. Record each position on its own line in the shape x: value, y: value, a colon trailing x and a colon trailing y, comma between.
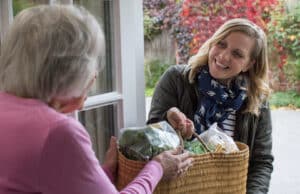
x: 129, y: 53
x: 128, y: 60
x: 6, y: 16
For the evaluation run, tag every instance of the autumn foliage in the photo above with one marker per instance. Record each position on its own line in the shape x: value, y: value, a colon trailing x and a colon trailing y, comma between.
x: 202, y: 18
x: 192, y: 22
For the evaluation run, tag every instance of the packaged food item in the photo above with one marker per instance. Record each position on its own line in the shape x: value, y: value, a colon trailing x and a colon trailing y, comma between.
x: 143, y: 143
x: 218, y: 141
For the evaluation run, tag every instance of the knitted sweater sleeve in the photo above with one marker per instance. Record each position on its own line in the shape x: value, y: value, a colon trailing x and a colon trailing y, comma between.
x: 69, y: 165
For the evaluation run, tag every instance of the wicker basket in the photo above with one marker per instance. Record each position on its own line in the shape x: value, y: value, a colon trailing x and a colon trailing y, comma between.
x: 211, y: 173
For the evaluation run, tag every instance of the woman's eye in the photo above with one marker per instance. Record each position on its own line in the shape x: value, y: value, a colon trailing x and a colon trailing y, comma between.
x: 221, y: 44
x: 237, y: 54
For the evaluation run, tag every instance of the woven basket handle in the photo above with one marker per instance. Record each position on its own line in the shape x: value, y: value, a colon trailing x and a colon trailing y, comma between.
x: 198, y: 138
x: 202, y: 142
x: 180, y: 138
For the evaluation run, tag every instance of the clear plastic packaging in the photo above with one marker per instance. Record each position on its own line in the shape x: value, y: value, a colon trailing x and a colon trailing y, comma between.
x: 218, y: 141
x: 143, y: 143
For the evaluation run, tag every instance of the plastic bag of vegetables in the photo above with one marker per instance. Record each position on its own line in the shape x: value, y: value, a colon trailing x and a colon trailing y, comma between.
x: 194, y: 147
x: 143, y: 143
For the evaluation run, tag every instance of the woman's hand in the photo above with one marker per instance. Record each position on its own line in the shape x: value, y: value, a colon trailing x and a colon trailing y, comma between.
x: 174, y: 162
x: 180, y: 122
x: 111, y: 157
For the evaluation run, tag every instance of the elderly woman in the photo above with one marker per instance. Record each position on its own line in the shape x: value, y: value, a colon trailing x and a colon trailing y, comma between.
x: 47, y: 65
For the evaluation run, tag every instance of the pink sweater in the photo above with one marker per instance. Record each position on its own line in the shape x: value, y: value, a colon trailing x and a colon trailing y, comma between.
x: 43, y: 151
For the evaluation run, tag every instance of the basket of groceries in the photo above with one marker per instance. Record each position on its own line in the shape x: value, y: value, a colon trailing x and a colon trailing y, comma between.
x: 220, y: 164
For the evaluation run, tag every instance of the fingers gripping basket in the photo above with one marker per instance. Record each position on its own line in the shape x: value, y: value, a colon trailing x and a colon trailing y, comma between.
x: 211, y: 173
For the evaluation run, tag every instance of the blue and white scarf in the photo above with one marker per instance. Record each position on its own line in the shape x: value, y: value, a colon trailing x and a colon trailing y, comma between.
x: 216, y: 101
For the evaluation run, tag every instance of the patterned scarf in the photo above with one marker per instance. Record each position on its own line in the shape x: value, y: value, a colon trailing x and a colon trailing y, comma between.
x: 216, y: 101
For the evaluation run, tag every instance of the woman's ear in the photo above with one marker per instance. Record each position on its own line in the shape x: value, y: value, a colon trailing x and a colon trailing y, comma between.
x: 248, y: 66
x: 67, y: 106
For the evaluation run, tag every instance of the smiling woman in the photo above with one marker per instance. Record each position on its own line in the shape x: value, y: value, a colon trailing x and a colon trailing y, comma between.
x: 225, y: 82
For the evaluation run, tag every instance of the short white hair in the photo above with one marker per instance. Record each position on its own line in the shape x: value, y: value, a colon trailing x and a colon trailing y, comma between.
x: 50, y: 51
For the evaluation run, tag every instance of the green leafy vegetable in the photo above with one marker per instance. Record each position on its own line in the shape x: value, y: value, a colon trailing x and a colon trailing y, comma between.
x: 194, y: 146
x: 143, y: 143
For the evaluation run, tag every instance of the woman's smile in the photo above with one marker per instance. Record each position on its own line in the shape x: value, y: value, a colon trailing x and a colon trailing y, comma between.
x: 220, y: 65
x: 230, y: 56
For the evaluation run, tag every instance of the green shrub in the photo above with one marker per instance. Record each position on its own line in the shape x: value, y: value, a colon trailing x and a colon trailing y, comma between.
x: 285, y: 99
x: 151, y: 29
x: 149, y: 92
x: 153, y: 71
x: 284, y: 34
x: 19, y: 5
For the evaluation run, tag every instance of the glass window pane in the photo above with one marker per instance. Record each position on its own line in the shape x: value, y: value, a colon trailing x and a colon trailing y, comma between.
x: 19, y: 5
x: 101, y: 10
x: 100, y: 124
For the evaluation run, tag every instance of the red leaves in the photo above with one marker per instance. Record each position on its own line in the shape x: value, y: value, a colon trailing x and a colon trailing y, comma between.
x: 197, y: 20
x: 202, y: 18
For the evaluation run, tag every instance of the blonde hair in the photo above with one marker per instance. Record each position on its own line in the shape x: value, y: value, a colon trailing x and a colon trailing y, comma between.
x: 258, y: 88
x: 50, y: 51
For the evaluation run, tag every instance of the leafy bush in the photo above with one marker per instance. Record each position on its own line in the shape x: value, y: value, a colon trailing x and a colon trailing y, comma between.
x: 284, y: 35
x: 202, y: 18
x: 287, y: 99
x: 19, y: 5
x: 149, y: 92
x: 159, y: 15
x: 153, y: 71
x: 192, y: 22
x: 151, y: 28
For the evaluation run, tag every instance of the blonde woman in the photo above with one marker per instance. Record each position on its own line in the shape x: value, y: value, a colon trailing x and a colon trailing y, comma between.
x: 47, y: 65
x: 225, y: 82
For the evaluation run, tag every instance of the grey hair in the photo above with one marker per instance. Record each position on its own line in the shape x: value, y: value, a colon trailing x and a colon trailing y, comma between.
x: 50, y: 51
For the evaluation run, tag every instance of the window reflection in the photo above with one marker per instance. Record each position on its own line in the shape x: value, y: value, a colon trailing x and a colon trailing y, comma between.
x: 19, y: 5
x: 99, y: 123
x: 101, y: 10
